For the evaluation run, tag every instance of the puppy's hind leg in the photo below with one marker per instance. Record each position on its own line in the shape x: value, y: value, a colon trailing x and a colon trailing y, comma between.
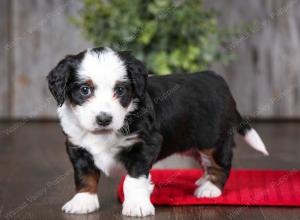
x: 216, y: 163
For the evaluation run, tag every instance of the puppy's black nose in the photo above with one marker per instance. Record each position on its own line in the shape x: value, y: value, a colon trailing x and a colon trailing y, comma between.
x: 103, y: 119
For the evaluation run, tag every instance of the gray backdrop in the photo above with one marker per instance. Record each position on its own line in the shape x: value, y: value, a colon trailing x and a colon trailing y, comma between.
x: 264, y: 78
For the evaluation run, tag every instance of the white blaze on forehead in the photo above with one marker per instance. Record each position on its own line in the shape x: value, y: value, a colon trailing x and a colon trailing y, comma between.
x: 103, y: 68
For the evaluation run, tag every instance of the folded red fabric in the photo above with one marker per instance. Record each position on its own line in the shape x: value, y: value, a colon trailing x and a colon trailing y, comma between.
x: 244, y: 187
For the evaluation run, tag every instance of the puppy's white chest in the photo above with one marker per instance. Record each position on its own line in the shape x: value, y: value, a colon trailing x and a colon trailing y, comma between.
x: 103, y: 147
x: 104, y: 150
x: 106, y: 162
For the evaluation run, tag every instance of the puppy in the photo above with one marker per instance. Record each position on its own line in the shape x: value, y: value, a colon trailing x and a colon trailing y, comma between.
x: 120, y: 121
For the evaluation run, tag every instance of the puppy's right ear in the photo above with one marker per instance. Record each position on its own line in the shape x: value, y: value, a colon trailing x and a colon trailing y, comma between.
x: 58, y: 78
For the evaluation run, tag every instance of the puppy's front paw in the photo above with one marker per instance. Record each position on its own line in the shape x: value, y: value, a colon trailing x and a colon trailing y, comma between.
x: 138, y: 208
x: 207, y: 190
x: 82, y: 203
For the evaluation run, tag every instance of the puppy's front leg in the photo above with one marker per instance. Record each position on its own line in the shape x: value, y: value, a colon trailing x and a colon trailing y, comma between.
x: 86, y: 181
x: 137, y: 186
x: 137, y: 193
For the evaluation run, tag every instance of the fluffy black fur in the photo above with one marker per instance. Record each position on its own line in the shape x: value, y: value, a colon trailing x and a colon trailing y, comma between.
x: 83, y: 164
x: 183, y: 112
x: 176, y: 113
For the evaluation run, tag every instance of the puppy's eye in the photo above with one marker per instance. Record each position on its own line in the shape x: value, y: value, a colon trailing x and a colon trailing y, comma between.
x: 85, y: 91
x: 120, y: 90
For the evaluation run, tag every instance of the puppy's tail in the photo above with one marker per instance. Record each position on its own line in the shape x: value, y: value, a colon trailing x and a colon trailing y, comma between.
x: 251, y: 137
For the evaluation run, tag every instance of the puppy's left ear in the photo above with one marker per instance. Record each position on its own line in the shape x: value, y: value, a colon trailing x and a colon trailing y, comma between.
x: 137, y: 73
x: 58, y: 78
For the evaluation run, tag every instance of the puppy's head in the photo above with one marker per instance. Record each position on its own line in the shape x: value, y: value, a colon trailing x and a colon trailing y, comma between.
x: 99, y: 86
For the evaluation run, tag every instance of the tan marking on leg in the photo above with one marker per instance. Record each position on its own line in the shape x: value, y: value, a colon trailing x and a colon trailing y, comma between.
x: 90, y: 183
x: 213, y: 171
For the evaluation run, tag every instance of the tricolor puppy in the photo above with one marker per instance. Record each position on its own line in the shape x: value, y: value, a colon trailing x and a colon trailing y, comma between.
x: 120, y: 121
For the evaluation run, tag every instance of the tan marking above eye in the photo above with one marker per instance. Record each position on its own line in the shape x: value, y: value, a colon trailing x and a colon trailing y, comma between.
x: 90, y: 82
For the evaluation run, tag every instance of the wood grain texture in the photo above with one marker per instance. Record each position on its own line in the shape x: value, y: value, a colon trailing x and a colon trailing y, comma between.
x: 265, y: 77
x: 37, y: 178
x: 43, y: 35
x: 4, y: 58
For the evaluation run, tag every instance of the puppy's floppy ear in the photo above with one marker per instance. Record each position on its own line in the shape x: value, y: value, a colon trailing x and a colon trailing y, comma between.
x: 137, y: 73
x: 58, y: 78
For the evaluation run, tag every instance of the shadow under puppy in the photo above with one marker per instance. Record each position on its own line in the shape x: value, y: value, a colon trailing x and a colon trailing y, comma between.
x: 120, y: 121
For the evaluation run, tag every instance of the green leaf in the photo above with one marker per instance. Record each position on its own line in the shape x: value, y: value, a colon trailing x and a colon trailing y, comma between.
x: 147, y: 32
x: 170, y: 36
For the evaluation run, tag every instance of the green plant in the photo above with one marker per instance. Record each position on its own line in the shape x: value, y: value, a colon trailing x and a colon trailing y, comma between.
x: 169, y: 35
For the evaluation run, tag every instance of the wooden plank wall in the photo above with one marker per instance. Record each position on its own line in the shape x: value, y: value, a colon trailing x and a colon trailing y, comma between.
x: 264, y: 78
x: 4, y: 58
x: 48, y: 37
x: 41, y: 35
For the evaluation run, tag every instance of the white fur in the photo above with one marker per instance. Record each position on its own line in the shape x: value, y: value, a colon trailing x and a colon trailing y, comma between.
x: 79, y: 122
x: 103, y: 147
x: 82, y: 203
x: 105, y: 69
x: 137, y: 193
x: 207, y: 190
x: 254, y: 140
x: 202, y: 179
x: 205, y: 161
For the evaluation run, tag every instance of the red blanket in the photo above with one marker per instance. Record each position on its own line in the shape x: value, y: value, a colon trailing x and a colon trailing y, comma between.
x: 244, y: 187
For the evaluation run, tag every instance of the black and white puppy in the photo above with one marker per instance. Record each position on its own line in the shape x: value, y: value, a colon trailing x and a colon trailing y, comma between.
x: 119, y: 121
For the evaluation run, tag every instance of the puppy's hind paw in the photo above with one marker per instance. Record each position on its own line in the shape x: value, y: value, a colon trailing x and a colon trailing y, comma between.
x: 201, y: 180
x: 207, y: 190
